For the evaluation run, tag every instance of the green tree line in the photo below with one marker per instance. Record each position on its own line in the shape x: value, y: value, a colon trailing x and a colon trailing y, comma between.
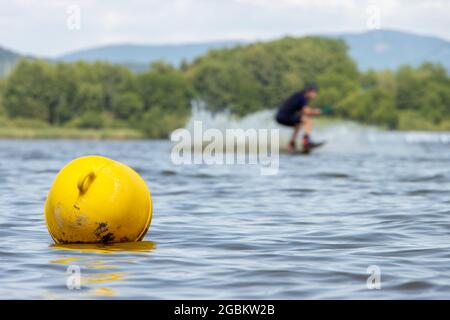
x: 98, y: 95
x: 242, y: 80
x: 259, y: 76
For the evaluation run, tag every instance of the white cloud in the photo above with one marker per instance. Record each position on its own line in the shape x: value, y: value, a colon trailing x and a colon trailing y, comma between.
x: 39, y: 26
x: 299, y: 3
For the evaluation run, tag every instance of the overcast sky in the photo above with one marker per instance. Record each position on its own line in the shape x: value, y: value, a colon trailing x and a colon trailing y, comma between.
x: 40, y: 27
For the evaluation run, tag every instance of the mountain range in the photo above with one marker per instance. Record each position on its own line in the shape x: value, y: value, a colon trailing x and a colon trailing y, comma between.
x: 145, y: 54
x: 384, y: 49
x: 378, y: 49
x: 8, y: 59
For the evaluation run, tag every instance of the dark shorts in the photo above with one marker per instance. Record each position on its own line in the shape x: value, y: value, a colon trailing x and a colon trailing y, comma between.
x: 290, y: 120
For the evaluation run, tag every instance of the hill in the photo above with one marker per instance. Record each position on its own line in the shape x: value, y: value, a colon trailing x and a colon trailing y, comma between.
x: 381, y: 49
x: 139, y: 56
x: 385, y: 49
x: 8, y: 59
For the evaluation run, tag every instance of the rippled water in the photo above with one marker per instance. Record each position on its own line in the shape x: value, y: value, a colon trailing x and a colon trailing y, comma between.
x: 367, y: 198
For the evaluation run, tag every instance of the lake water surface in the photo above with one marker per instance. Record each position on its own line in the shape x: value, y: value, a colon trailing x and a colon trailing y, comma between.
x: 366, y: 199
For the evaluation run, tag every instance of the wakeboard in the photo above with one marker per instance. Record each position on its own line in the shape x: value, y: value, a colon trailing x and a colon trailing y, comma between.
x: 308, y: 150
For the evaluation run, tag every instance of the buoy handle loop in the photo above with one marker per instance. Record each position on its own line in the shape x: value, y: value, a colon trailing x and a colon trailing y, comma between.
x: 85, y: 181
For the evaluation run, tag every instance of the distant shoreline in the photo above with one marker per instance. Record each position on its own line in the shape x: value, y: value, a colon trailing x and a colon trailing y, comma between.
x: 61, y: 133
x: 69, y: 133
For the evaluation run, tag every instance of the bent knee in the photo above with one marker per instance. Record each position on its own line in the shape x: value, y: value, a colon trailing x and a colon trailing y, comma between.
x: 307, y: 118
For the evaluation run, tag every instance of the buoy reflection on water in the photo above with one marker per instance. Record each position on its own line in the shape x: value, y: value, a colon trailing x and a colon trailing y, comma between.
x: 93, y: 275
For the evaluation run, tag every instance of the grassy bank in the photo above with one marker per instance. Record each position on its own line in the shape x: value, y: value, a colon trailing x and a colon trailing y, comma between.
x: 10, y: 129
x: 412, y: 121
x: 25, y: 129
x: 65, y: 133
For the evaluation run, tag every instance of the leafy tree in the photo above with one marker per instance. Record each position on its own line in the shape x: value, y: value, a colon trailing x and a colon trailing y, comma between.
x: 88, y: 120
x: 157, y: 123
x: 2, y: 108
x: 89, y: 98
x: 31, y: 92
x: 127, y: 105
x: 165, y: 87
x: 258, y: 76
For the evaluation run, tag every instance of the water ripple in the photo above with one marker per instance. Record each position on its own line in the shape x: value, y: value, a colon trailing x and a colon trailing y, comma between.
x: 227, y: 232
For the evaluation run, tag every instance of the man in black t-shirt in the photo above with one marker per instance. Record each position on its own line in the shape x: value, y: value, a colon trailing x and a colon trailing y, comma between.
x: 295, y: 112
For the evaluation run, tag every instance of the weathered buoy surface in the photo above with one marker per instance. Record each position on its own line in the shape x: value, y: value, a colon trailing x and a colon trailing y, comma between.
x: 98, y: 200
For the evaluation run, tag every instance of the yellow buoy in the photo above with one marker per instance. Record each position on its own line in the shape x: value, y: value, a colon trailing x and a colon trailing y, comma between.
x: 95, y: 199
